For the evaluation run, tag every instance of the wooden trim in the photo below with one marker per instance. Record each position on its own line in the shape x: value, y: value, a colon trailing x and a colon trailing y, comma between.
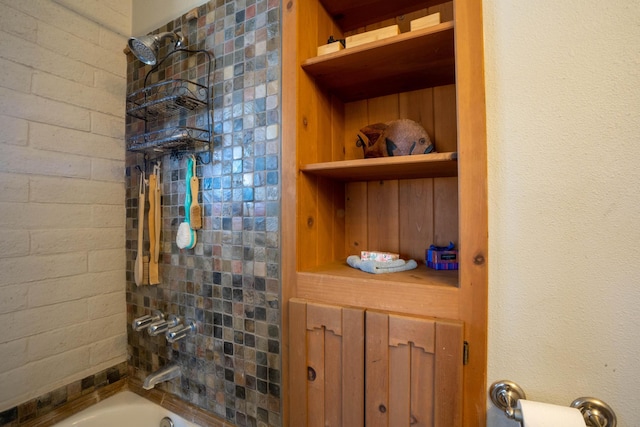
x: 288, y: 190
x: 472, y: 178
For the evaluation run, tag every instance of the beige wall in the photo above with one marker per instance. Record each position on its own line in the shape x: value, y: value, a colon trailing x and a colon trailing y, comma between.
x: 563, y: 102
x: 151, y: 14
x: 62, y: 217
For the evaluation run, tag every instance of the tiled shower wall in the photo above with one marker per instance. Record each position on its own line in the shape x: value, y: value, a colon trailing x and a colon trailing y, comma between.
x: 229, y: 283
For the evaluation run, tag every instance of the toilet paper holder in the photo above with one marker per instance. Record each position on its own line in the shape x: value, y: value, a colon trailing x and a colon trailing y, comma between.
x: 596, y: 413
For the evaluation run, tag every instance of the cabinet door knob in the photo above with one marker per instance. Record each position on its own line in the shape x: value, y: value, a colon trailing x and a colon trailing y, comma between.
x: 311, y: 373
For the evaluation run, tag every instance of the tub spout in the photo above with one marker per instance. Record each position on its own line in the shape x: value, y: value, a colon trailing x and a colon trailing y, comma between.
x: 166, y: 373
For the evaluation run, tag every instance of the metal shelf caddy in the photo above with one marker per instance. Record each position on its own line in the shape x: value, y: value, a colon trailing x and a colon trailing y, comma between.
x: 166, y: 99
x: 174, y: 138
x: 159, y: 103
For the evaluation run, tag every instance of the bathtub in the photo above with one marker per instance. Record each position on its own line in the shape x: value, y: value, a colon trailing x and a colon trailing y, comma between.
x: 124, y: 409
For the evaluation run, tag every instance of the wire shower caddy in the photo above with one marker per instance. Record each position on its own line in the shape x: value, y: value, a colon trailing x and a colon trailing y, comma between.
x: 166, y: 107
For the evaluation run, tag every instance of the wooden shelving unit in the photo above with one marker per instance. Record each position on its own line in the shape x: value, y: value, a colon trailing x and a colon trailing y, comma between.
x: 335, y: 203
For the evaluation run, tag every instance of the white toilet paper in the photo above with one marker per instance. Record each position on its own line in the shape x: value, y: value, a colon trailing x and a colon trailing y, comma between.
x: 538, y: 414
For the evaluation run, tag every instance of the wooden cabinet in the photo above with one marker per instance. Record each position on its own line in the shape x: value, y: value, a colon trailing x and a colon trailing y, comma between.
x: 336, y: 203
x: 353, y: 367
x: 327, y: 365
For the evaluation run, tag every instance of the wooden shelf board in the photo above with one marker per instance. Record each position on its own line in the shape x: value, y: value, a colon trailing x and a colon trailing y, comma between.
x: 408, y: 61
x: 352, y: 14
x: 401, y: 167
x: 421, y: 291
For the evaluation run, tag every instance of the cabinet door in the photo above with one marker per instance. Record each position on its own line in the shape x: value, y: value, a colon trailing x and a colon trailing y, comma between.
x: 413, y: 371
x: 326, y: 365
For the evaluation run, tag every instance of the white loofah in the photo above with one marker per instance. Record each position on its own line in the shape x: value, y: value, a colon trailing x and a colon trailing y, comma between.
x: 186, y: 237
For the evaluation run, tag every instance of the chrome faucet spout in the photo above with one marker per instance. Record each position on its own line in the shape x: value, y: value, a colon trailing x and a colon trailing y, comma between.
x: 165, y: 373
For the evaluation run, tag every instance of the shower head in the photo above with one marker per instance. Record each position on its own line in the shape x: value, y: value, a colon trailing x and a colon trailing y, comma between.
x: 145, y: 48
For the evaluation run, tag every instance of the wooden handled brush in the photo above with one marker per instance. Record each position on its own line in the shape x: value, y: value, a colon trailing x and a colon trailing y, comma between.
x: 158, y: 211
x: 138, y: 267
x: 195, y: 209
x: 153, y: 239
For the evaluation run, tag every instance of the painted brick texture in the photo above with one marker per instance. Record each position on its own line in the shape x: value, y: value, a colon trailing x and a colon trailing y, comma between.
x: 62, y: 213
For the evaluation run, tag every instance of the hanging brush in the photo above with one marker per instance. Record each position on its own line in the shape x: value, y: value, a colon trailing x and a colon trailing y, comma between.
x: 186, y: 237
x: 158, y: 212
x: 138, y: 268
x: 195, y: 214
x: 154, y: 234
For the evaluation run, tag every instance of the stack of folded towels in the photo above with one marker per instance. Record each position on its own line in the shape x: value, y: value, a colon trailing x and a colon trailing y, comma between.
x: 380, y: 262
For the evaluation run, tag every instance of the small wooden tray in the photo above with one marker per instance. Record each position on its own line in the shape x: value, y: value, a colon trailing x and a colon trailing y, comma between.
x: 425, y: 21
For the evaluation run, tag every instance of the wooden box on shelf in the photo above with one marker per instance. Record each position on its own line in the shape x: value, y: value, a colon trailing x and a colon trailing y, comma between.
x: 330, y: 48
x: 425, y: 21
x: 372, y: 36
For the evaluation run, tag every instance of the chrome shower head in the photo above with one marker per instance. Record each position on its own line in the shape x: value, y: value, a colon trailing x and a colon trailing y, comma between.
x: 146, y: 48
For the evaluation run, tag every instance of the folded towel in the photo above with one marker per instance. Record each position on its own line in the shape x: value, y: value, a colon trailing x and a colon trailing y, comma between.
x: 378, y: 267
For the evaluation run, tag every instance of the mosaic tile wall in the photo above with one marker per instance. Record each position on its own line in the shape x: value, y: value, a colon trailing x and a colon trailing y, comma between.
x: 229, y: 283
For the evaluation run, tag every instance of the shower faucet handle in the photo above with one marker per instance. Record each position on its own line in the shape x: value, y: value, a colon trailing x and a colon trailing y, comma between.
x: 145, y: 321
x: 162, y: 326
x: 178, y: 332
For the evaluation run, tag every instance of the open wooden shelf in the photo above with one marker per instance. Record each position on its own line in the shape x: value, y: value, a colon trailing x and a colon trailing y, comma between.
x: 422, y: 275
x: 408, y: 61
x: 402, y: 167
x: 415, y: 291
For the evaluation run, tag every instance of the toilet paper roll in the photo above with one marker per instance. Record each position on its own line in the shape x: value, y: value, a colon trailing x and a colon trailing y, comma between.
x: 538, y: 414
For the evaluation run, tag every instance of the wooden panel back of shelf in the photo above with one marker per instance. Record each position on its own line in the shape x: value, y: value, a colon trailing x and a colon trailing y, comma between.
x: 358, y: 13
x: 415, y: 217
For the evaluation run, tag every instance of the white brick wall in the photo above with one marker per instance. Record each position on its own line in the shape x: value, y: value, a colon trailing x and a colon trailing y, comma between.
x: 113, y: 14
x: 62, y: 214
